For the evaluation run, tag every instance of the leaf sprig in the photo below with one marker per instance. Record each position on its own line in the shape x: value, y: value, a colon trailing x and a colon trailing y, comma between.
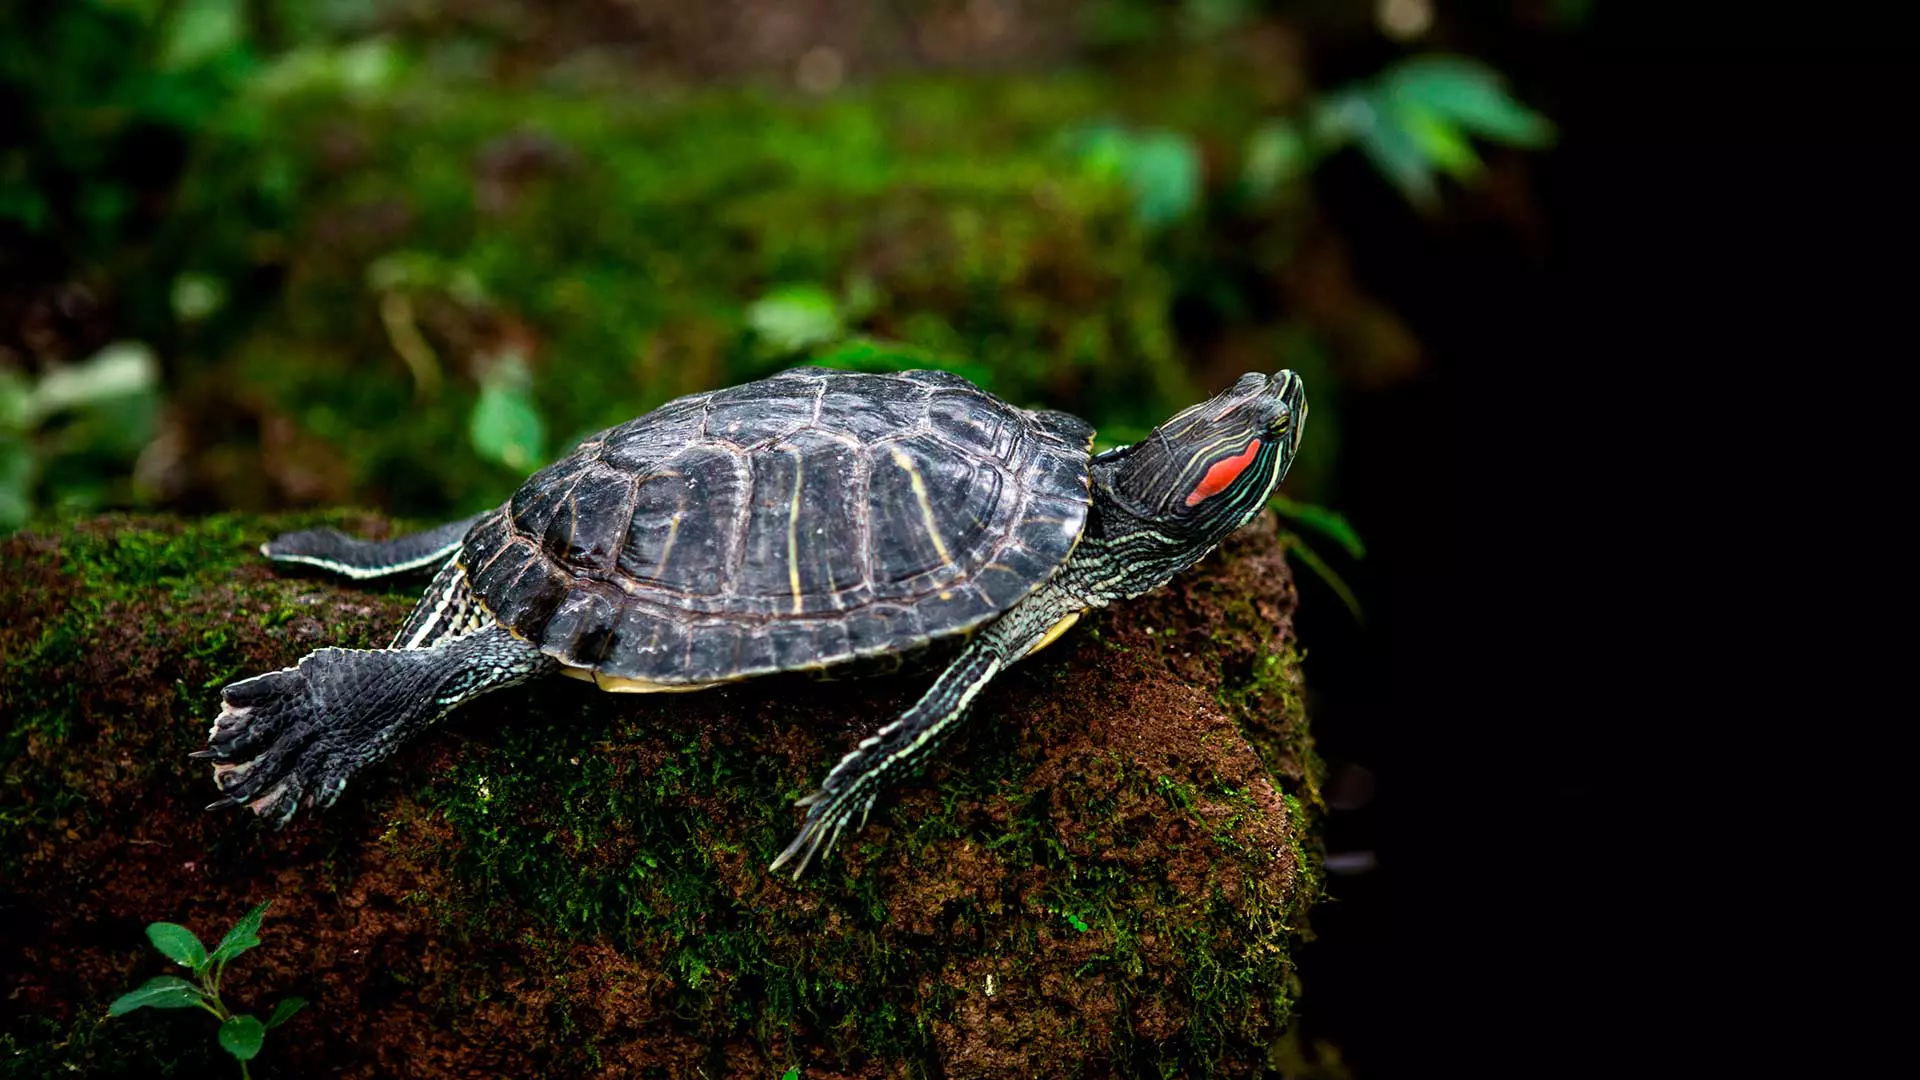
x: 240, y: 1034
x: 1328, y: 523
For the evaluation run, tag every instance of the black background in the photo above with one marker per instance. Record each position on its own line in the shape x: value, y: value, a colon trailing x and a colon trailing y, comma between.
x: 1544, y: 688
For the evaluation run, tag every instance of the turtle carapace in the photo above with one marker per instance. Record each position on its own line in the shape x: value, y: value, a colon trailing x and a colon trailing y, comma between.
x: 801, y: 522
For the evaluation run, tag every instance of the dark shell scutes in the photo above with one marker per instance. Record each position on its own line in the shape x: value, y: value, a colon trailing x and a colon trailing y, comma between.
x: 800, y: 521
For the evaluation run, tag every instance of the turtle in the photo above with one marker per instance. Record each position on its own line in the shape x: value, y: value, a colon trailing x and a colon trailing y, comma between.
x: 809, y: 521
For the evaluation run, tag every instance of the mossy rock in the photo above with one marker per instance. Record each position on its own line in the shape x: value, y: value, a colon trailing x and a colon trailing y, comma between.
x: 1105, y: 872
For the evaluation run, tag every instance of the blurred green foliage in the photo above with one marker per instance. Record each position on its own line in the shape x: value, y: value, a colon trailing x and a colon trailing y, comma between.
x: 372, y: 273
x: 1161, y: 168
x: 1414, y: 120
x: 76, y: 431
x: 96, y: 94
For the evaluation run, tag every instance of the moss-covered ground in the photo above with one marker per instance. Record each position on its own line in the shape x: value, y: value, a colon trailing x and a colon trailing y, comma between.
x: 1104, y: 874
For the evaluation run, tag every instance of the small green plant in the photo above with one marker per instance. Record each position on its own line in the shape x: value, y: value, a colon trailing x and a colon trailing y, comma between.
x: 240, y: 1034
x: 1328, y: 523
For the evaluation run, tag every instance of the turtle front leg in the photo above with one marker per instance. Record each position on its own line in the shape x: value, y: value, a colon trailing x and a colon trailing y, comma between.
x: 900, y: 748
x: 293, y: 737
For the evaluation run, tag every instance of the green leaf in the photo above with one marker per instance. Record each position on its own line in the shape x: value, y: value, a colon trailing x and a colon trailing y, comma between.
x: 16, y: 402
x: 506, y: 425
x: 159, y: 992
x: 1338, y: 118
x: 196, y: 296
x: 241, y: 1036
x: 1444, y: 144
x: 284, y: 1011
x: 792, y: 1073
x: 121, y: 370
x: 1399, y: 157
x: 795, y: 317
x: 244, y: 935
x: 1329, y: 523
x: 202, y: 30
x: 1163, y: 169
x: 1470, y: 95
x: 1326, y: 573
x: 178, y: 944
x: 1276, y: 153
x: 355, y: 71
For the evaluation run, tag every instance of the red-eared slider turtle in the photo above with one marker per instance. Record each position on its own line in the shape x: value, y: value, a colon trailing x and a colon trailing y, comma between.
x: 801, y: 522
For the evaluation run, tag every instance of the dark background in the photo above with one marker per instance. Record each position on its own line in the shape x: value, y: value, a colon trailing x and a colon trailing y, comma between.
x: 1575, y: 584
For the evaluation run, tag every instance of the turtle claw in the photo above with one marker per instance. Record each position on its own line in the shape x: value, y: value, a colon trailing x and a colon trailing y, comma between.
x: 264, y: 744
x: 827, y: 816
x: 293, y: 738
x: 255, y: 712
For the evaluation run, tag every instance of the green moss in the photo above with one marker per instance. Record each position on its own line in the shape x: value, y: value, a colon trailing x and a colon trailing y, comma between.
x: 109, y: 562
x: 611, y: 849
x: 151, y: 1044
x: 596, y: 845
x: 1269, y: 690
x: 144, y: 604
x: 590, y: 842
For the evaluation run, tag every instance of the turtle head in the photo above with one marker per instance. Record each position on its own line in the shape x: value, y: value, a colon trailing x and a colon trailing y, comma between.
x: 1203, y: 473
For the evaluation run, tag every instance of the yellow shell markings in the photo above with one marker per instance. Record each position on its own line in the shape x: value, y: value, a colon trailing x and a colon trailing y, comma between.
x: 673, y: 524
x: 926, y: 505
x: 666, y: 549
x: 793, y: 531
x: 615, y: 684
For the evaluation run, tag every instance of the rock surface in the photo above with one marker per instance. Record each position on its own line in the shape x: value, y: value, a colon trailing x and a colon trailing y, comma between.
x: 1104, y: 873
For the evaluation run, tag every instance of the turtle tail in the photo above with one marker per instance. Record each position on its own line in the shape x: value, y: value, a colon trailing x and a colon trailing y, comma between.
x: 331, y: 549
x: 294, y: 737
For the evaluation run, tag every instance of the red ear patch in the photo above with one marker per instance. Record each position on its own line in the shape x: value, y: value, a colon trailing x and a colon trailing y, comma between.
x: 1223, y: 473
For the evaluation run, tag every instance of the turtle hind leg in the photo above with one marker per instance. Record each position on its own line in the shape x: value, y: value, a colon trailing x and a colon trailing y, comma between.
x: 294, y: 737
x: 331, y: 549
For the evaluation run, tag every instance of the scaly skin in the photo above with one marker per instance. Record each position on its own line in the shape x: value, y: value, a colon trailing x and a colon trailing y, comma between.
x: 292, y: 738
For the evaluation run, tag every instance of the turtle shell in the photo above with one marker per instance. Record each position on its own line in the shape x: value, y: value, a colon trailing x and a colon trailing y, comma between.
x: 802, y: 521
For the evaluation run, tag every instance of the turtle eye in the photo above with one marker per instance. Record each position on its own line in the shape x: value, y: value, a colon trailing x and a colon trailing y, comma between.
x: 1222, y: 473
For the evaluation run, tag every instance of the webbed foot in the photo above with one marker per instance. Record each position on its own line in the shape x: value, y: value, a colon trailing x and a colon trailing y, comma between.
x: 293, y: 738
x: 271, y: 747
